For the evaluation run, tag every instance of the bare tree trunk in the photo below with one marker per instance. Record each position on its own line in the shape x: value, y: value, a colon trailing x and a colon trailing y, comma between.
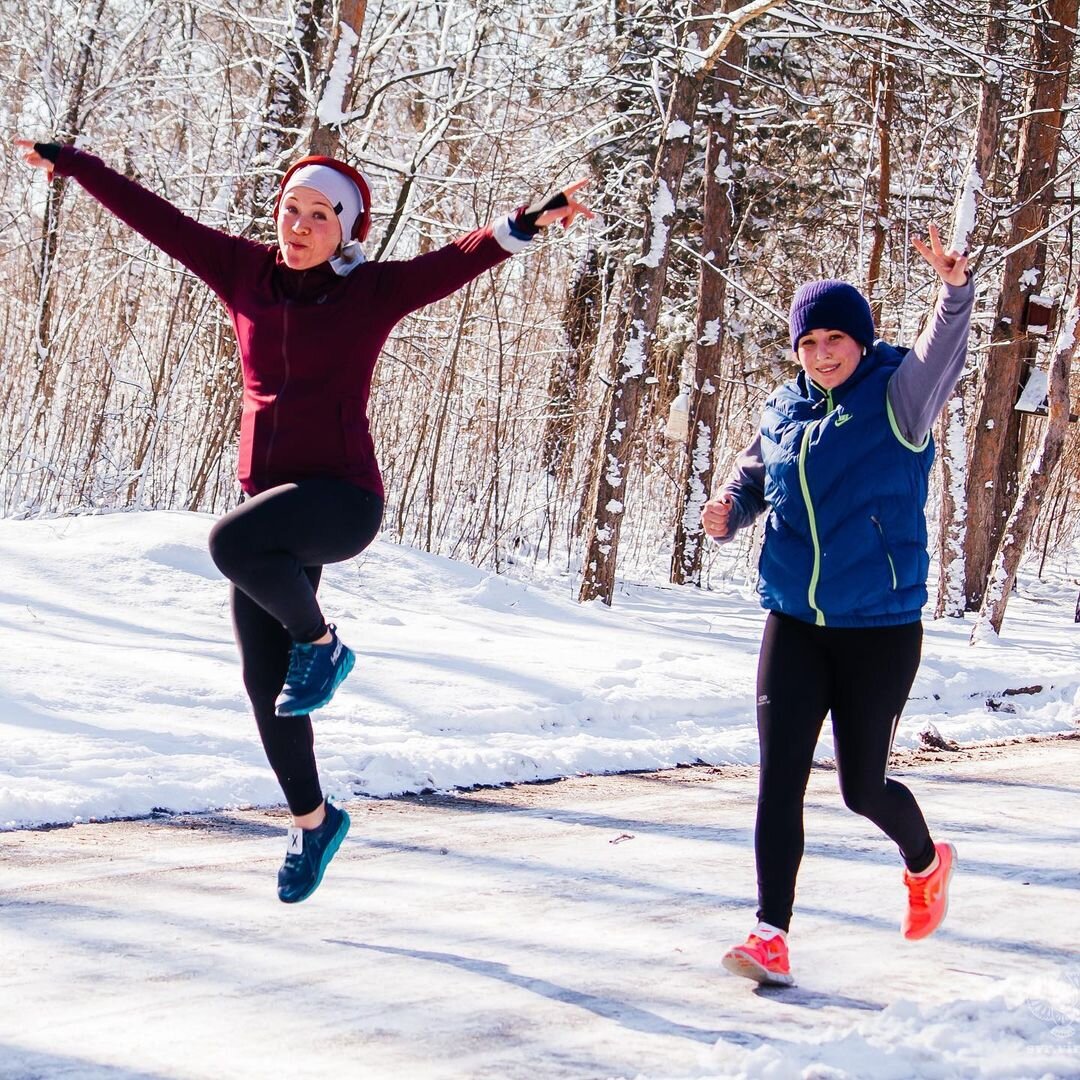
x: 336, y: 86
x: 448, y: 391
x: 570, y: 370
x: 1022, y: 519
x: 950, y: 438
x: 636, y: 326
x: 70, y: 127
x: 718, y: 228
x: 883, y: 95
x: 286, y: 103
x: 635, y: 331
x: 994, y: 460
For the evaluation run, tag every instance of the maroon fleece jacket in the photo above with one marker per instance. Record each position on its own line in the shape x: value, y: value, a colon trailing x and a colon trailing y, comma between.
x: 308, y: 338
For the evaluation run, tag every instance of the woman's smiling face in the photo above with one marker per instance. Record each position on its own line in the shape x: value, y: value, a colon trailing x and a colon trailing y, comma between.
x: 829, y: 357
x: 307, y: 228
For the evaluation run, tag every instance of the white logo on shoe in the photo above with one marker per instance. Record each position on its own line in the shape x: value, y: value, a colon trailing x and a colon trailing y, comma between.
x: 336, y: 653
x: 296, y: 841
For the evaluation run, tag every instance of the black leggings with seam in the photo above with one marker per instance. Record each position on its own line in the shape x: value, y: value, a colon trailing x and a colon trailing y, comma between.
x: 272, y: 548
x: 862, y: 676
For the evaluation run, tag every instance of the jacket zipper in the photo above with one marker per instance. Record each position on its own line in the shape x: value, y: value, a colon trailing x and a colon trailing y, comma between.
x: 811, y: 595
x: 885, y: 548
x: 804, y: 485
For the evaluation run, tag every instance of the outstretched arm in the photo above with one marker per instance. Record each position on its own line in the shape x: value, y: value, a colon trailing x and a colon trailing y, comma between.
x: 208, y: 253
x: 928, y: 374
x: 413, y: 283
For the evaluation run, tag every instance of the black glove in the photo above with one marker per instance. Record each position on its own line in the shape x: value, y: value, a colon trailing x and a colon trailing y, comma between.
x: 525, y: 220
x: 50, y: 151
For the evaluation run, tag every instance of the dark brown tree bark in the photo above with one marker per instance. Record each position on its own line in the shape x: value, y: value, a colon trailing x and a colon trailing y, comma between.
x: 70, y: 128
x: 635, y: 329
x: 979, y: 181
x: 570, y: 371
x: 723, y: 88
x: 337, y: 77
x: 883, y: 95
x: 286, y: 108
x: 993, y: 465
x: 1021, y: 521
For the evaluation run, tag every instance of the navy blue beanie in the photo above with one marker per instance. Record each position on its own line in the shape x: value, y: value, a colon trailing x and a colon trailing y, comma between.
x: 831, y: 305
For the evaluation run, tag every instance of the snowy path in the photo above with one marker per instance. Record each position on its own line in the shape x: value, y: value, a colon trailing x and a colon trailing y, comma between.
x: 120, y: 691
x: 504, y: 933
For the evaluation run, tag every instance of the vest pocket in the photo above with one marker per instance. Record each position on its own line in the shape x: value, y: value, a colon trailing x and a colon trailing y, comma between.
x: 885, y: 549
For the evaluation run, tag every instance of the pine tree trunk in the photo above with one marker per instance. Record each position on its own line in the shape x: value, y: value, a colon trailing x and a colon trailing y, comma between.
x: 335, y: 91
x: 1021, y: 521
x: 979, y: 180
x: 994, y: 460
x: 883, y: 95
x: 635, y: 332
x: 718, y: 228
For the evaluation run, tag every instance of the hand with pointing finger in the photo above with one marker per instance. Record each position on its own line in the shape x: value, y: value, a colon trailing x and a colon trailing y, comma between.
x: 950, y: 266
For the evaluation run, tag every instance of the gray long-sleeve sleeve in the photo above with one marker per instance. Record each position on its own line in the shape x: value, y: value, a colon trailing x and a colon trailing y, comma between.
x: 928, y: 374
x: 745, y: 484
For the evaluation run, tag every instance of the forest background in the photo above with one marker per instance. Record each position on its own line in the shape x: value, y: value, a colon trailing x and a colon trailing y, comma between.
x: 575, y: 406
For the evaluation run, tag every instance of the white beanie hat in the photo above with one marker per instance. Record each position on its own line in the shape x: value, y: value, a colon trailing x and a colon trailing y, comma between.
x: 342, y: 194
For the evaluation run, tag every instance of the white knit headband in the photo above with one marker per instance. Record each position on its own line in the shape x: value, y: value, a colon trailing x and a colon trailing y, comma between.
x: 342, y: 194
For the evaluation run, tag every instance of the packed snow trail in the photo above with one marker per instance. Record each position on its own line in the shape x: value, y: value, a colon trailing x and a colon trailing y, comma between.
x: 506, y: 933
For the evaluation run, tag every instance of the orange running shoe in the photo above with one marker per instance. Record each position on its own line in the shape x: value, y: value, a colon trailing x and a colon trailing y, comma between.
x: 765, y: 960
x: 928, y: 896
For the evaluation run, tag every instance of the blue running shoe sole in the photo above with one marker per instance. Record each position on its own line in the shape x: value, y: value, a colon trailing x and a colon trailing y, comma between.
x: 324, y: 862
x: 294, y: 708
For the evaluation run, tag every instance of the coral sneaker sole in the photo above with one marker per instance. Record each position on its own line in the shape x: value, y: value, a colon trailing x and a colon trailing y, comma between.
x: 740, y: 962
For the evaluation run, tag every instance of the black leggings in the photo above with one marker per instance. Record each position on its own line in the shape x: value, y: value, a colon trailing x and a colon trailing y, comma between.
x: 272, y: 548
x: 862, y: 676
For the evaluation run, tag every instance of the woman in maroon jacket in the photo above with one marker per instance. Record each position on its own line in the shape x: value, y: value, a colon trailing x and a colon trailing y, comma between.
x: 311, y: 316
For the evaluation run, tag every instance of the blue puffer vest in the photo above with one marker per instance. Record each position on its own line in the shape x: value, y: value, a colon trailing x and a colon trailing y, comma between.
x: 845, y: 539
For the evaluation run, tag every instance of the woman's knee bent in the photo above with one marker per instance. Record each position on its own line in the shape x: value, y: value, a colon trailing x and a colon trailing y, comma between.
x: 863, y: 798
x: 227, y: 548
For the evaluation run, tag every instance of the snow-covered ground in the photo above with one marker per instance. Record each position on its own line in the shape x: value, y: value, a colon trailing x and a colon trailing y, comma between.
x: 120, y: 689
x: 570, y: 931
x: 557, y: 931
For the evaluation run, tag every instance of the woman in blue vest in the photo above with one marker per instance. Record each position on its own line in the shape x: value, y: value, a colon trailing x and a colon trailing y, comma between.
x: 841, y: 463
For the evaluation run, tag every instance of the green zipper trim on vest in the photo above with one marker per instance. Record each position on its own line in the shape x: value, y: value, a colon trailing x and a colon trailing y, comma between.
x: 811, y: 595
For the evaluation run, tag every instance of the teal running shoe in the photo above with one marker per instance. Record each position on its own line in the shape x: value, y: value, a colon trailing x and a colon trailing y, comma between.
x: 315, y: 673
x: 309, y: 854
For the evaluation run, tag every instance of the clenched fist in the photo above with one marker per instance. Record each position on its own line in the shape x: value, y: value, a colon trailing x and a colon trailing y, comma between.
x: 714, y: 517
